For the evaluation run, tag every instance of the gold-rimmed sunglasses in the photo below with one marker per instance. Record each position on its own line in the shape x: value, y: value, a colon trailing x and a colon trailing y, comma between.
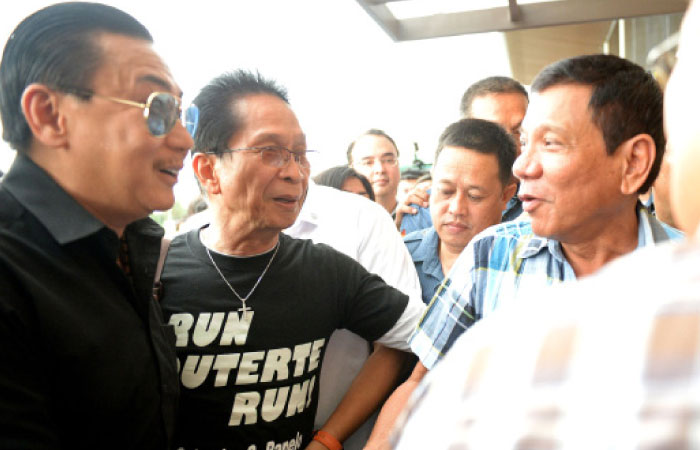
x: 161, y: 110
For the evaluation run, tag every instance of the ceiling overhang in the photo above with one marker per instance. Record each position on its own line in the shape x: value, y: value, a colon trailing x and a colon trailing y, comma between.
x: 511, y: 16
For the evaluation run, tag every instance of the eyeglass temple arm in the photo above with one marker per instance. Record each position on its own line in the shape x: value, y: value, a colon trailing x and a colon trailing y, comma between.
x: 122, y: 101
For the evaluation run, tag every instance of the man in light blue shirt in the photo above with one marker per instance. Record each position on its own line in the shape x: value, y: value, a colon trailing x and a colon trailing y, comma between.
x: 472, y: 182
x: 593, y: 141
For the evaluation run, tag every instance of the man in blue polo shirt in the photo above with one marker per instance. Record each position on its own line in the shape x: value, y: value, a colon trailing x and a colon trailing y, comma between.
x: 593, y: 141
x: 472, y: 183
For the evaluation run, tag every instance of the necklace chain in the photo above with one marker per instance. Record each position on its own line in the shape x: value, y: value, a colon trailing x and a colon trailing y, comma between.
x: 243, y: 299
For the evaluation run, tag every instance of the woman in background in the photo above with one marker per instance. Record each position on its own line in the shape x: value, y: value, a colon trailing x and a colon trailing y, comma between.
x: 346, y: 179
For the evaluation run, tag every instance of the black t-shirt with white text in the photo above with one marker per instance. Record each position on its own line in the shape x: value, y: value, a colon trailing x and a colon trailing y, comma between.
x: 255, y: 386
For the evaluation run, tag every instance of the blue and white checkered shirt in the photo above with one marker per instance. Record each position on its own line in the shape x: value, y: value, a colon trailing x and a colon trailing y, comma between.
x: 553, y: 372
x: 502, y: 263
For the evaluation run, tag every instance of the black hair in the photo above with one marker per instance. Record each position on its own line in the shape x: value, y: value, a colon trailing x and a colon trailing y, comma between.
x: 373, y: 132
x: 218, y: 119
x: 626, y: 100
x: 490, y: 85
x: 484, y: 137
x: 335, y: 177
x: 55, y: 46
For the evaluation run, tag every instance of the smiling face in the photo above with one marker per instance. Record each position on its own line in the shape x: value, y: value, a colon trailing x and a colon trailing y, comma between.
x: 120, y: 172
x: 467, y: 195
x: 569, y: 185
x: 253, y: 194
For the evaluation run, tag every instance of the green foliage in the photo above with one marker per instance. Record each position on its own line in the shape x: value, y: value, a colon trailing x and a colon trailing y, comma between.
x: 174, y: 214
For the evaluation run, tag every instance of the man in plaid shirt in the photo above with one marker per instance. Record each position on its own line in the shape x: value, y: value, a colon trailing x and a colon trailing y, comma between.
x: 592, y: 142
x: 609, y: 363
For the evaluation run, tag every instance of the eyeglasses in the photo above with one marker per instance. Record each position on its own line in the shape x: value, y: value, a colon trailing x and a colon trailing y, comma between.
x: 275, y: 156
x: 161, y: 111
x: 385, y: 161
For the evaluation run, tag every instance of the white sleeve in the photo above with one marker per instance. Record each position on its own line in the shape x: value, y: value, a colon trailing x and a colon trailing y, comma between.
x: 382, y: 251
x: 397, y: 336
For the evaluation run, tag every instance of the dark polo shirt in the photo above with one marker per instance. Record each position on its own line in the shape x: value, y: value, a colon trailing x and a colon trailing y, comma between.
x: 85, y: 362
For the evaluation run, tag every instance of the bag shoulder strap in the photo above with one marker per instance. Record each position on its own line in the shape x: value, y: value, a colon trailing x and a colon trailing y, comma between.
x: 157, y: 284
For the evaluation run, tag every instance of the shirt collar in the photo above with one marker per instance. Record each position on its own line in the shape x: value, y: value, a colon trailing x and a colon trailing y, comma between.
x: 535, y: 243
x: 64, y: 218
x: 512, y: 203
x: 428, y: 247
x: 644, y: 236
x: 432, y: 264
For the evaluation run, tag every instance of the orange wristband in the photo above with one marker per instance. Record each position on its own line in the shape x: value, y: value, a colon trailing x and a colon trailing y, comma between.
x: 328, y: 440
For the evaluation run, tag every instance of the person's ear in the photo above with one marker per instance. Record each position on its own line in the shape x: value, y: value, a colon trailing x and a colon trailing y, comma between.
x: 42, y: 109
x: 638, y: 155
x: 204, y: 166
x: 508, y: 193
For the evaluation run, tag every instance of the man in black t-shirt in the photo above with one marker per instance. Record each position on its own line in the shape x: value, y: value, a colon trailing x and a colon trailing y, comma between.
x: 253, y: 308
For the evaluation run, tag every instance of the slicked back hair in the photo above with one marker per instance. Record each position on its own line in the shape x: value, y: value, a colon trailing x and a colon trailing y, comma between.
x: 373, y: 132
x: 484, y: 137
x: 626, y: 100
x: 217, y: 101
x: 490, y: 85
x: 56, y: 46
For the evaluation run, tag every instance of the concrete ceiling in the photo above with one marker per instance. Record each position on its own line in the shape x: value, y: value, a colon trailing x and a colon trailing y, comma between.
x: 513, y: 16
x: 530, y: 50
x: 536, y: 33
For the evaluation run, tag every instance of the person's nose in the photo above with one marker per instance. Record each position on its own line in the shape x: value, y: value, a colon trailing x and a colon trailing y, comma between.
x: 527, y: 165
x: 293, y: 169
x: 377, y: 166
x: 459, y: 205
x: 179, y: 139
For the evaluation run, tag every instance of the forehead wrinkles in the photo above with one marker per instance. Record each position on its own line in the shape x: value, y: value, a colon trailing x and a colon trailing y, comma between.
x: 265, y: 117
x: 128, y: 62
x: 562, y: 108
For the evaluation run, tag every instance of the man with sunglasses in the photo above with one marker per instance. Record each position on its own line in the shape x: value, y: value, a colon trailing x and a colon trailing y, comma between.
x: 93, y: 113
x: 252, y: 308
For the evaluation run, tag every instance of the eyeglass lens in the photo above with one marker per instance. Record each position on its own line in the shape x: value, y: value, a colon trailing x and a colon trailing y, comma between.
x: 192, y: 119
x: 162, y: 114
x: 164, y: 111
x: 278, y: 157
x: 388, y: 161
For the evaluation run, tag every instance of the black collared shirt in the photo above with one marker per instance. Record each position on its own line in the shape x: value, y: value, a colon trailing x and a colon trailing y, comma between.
x: 85, y: 361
